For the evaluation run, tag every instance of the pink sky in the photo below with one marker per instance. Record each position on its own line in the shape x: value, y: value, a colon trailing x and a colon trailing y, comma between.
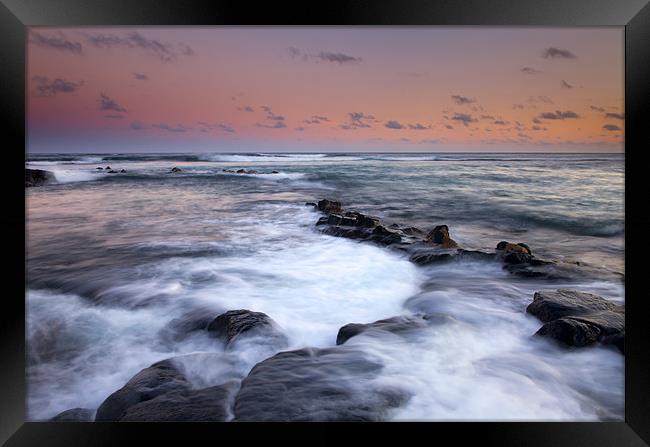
x: 262, y: 89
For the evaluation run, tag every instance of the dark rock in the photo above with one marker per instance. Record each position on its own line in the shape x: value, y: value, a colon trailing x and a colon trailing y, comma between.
x: 176, y: 169
x: 393, y: 325
x: 233, y: 324
x: 74, y: 415
x: 38, y: 177
x: 274, y: 172
x: 579, y: 318
x: 122, y: 171
x: 100, y: 168
x: 509, y: 247
x: 330, y: 206
x: 384, y: 236
x: 440, y: 236
x: 316, y: 385
x: 158, y: 379
x: 311, y: 204
x: 570, y: 332
x: 107, y: 167
x: 335, y: 219
x: 210, y: 404
x: 241, y: 171
x: 361, y: 220
x: 436, y: 256
x: 112, y: 172
x: 516, y: 257
x: 180, y: 328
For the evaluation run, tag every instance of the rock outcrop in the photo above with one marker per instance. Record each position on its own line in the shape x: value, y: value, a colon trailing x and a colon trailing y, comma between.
x: 38, y: 177
x: 316, y: 385
x: 74, y: 415
x: 175, y: 169
x: 394, y: 325
x: 235, y: 324
x: 578, y: 318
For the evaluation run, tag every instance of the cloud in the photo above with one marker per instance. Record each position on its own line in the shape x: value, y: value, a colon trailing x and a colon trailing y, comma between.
x: 392, y: 124
x: 316, y: 119
x: 487, y: 117
x: 215, y: 126
x: 559, y: 115
x: 461, y: 100
x: 541, y: 98
x: 324, y: 56
x: 358, y: 120
x: 141, y: 76
x: 271, y: 116
x: 536, y: 121
x: 618, y: 116
x: 430, y: 141
x: 277, y: 125
x: 598, y: 109
x: 137, y: 125
x: 501, y: 122
x: 518, y: 106
x: 168, y: 128
x: 565, y: 84
x: 449, y: 126
x: 611, y: 127
x: 300, y: 129
x: 166, y: 52
x: 248, y: 109
x: 45, y: 87
x: 464, y: 118
x: 115, y: 117
x: 56, y: 42
x: 418, y: 126
x: 107, y: 103
x: 557, y: 53
x: 530, y: 71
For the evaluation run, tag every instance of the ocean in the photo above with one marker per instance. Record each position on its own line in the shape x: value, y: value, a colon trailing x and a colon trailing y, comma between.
x: 112, y: 259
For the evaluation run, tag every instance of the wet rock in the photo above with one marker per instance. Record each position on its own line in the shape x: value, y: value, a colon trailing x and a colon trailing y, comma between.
x: 330, y: 206
x: 240, y: 171
x: 509, y: 247
x: 440, y: 236
x: 316, y: 385
x: 38, y: 177
x: 393, y: 325
x: 210, y: 404
x: 176, y: 169
x: 158, y: 379
x: 579, y: 318
x: 234, y: 324
x: 384, y: 236
x: 74, y: 415
x: 122, y: 171
x: 190, y: 322
x: 311, y: 204
x: 274, y: 172
x: 438, y: 256
x: 112, y: 172
x: 100, y: 168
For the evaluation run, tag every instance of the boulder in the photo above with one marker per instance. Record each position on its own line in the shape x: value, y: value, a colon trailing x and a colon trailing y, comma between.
x: 274, y: 172
x: 509, y: 247
x: 176, y: 169
x: 330, y: 206
x: 312, y: 384
x: 579, y: 318
x: 190, y: 322
x: 112, y: 172
x: 240, y: 171
x: 395, y: 325
x: 235, y: 324
x: 210, y: 404
x: 38, y: 177
x: 122, y: 171
x: 74, y: 415
x: 438, y: 256
x: 158, y: 379
x: 107, y: 167
x: 100, y: 168
x: 440, y: 236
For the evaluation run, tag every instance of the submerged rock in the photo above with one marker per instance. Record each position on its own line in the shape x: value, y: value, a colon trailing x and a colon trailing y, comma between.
x: 579, y: 318
x: 395, y: 325
x: 234, y: 324
x: 316, y: 385
x: 190, y: 322
x: 176, y: 169
x: 38, y: 177
x: 74, y: 415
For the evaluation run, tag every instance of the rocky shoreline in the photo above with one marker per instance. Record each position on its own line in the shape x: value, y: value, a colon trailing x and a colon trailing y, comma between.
x: 291, y: 385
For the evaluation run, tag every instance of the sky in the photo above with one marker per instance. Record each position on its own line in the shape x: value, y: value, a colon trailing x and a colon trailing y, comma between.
x: 325, y: 89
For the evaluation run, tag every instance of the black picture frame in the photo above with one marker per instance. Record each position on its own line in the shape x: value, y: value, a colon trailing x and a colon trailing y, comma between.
x: 16, y: 15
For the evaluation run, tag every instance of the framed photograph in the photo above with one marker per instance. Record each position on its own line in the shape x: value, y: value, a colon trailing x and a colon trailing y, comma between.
x: 414, y: 214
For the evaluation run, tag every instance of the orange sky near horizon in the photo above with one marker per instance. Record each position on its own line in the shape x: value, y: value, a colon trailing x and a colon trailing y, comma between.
x: 230, y: 89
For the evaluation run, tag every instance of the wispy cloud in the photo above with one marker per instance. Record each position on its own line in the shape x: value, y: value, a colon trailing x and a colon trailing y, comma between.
x: 138, y: 125
x: 170, y: 128
x: 597, y: 109
x: 418, y: 126
x: 106, y: 103
x: 611, y: 127
x: 557, y: 53
x: 166, y: 52
x: 316, y: 119
x: 558, y: 115
x: 46, y: 87
x: 618, y: 116
x: 392, y: 124
x: 464, y: 118
x: 323, y: 56
x: 565, y: 84
x: 141, y: 76
x: 57, y: 41
x: 114, y: 116
x: 530, y: 71
x: 216, y: 126
x: 358, y: 120
x: 248, y: 109
x: 540, y: 99
x: 277, y: 125
x: 462, y: 100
